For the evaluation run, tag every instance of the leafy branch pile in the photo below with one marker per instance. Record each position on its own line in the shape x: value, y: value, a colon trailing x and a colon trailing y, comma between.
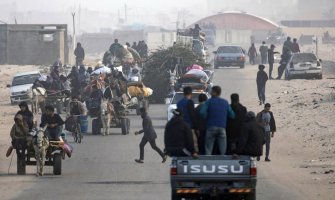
x: 156, y: 69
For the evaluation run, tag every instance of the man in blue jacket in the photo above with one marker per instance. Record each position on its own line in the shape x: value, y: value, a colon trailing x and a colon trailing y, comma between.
x: 216, y: 110
x: 186, y: 106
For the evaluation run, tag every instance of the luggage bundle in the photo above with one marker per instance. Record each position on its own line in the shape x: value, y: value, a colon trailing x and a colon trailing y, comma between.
x: 136, y: 89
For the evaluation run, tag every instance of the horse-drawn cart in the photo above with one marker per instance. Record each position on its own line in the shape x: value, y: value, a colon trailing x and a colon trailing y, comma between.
x: 38, y: 150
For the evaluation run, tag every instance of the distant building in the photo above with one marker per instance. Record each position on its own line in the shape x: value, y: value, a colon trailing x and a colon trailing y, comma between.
x: 33, y: 44
x: 237, y: 27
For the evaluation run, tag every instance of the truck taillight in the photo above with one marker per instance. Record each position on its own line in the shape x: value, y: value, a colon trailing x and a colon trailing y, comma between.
x: 253, y: 171
x: 173, y: 170
x: 253, y: 168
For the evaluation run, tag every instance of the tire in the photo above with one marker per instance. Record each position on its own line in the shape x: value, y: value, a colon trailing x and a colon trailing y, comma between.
x: 21, y: 164
x: 251, y: 196
x: 79, y: 135
x: 124, y: 127
x: 319, y: 76
x: 57, y: 165
x: 128, y: 125
x: 175, y: 196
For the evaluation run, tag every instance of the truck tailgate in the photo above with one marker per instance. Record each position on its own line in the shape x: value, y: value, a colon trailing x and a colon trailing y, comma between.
x: 213, y: 165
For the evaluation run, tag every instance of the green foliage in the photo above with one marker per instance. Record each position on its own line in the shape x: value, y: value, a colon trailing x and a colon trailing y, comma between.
x: 156, y: 69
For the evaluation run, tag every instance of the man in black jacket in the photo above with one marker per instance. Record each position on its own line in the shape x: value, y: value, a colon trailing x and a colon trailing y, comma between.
x: 261, y: 79
x: 54, y: 123
x: 267, y: 121
x: 251, y: 138
x: 149, y: 136
x: 234, y: 126
x: 178, y: 138
x: 201, y: 123
x: 79, y: 53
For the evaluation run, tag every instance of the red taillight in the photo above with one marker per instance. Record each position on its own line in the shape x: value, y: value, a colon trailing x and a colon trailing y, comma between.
x: 173, y: 171
x: 253, y: 171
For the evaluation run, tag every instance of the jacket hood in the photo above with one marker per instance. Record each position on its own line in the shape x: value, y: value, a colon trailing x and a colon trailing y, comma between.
x: 250, y: 116
x: 18, y: 117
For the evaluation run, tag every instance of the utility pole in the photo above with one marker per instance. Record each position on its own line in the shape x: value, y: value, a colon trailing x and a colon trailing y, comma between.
x: 125, y: 13
x: 74, y: 32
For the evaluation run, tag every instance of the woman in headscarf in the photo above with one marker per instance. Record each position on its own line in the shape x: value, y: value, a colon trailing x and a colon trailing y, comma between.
x: 26, y: 114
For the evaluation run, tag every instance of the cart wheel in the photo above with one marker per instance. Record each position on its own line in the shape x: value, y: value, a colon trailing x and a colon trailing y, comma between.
x: 57, y: 164
x: 124, y: 127
x: 21, y: 163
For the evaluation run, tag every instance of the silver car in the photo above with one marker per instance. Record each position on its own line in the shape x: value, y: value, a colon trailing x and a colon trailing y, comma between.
x: 303, y: 65
x: 229, y: 56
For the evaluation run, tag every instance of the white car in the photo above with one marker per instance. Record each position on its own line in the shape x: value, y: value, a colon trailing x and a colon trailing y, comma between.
x: 303, y: 65
x: 21, y: 85
x: 177, y: 97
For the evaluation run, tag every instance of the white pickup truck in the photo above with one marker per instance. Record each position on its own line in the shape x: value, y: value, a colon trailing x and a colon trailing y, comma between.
x: 213, y: 177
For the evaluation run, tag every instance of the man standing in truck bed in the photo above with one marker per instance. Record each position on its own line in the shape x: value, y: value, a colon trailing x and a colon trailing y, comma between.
x: 216, y: 110
x: 178, y: 138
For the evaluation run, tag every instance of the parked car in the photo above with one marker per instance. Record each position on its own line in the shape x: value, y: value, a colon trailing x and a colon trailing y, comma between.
x: 177, y: 97
x: 229, y: 56
x: 303, y: 65
x: 21, y: 85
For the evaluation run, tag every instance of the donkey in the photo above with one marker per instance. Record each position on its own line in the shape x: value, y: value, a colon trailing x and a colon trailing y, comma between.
x: 41, y: 143
x: 38, y: 98
x: 107, y: 110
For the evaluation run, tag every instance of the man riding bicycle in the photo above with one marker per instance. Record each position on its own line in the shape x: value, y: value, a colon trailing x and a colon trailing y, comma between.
x: 75, y: 109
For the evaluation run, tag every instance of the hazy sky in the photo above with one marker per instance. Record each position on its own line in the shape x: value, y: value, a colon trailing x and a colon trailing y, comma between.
x: 105, y: 5
x: 95, y: 15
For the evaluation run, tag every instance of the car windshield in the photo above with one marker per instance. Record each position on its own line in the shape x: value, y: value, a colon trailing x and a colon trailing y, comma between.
x: 25, y: 79
x: 178, y: 96
x: 229, y: 49
x: 304, y: 57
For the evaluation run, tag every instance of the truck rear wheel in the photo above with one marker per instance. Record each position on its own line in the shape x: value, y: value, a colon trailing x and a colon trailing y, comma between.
x: 175, y: 196
x: 251, y: 196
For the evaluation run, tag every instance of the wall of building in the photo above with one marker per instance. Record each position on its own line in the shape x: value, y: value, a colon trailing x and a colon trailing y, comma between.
x: 296, y: 32
x: 34, y: 44
x: 232, y: 37
x: 96, y: 43
x: 156, y: 40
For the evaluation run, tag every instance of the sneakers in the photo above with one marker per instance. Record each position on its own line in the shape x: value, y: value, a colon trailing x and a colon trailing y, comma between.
x: 139, y: 161
x: 267, y: 160
x: 164, y: 159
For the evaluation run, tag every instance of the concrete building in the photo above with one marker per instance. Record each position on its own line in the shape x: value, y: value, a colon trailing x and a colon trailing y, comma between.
x: 237, y: 27
x: 33, y: 44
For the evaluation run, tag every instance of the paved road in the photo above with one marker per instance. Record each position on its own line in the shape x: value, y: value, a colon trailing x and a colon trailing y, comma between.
x: 103, y: 167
